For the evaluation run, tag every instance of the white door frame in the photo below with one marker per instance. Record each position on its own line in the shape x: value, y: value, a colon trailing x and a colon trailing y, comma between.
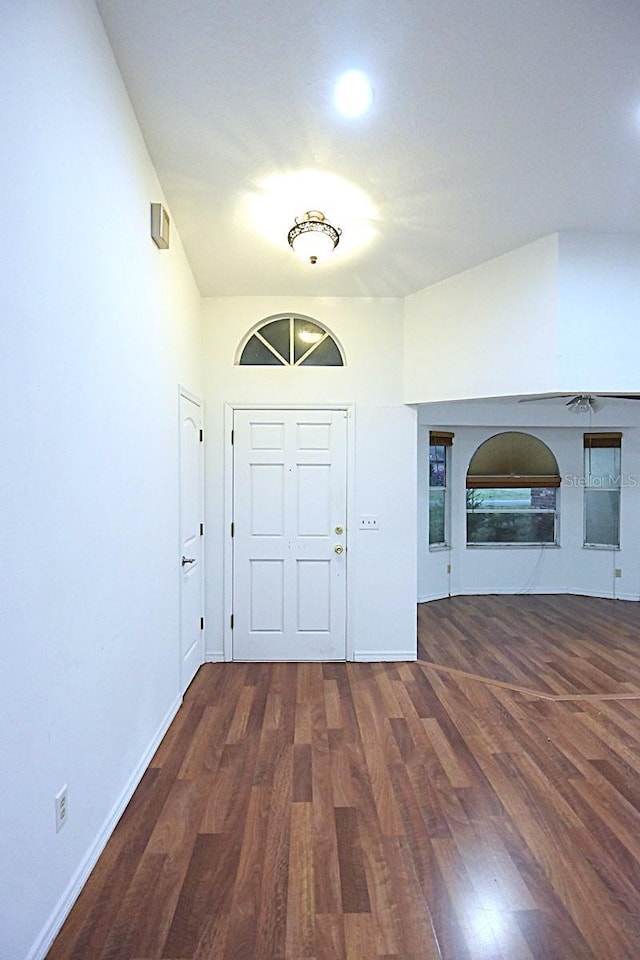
x: 229, y: 409
x: 183, y: 392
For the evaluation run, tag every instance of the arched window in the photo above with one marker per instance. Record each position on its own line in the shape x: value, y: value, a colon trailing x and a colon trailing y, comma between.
x: 512, y: 485
x: 290, y: 341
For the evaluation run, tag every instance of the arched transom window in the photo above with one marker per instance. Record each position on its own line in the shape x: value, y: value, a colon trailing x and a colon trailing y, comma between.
x: 291, y: 341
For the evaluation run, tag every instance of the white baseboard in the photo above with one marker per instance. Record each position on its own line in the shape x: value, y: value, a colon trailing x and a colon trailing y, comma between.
x: 601, y: 594
x: 607, y: 595
x: 387, y: 656
x: 598, y: 594
x: 510, y: 591
x: 214, y: 656
x: 63, y: 907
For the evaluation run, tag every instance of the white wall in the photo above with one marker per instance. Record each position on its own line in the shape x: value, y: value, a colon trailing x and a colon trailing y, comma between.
x: 557, y: 315
x: 569, y: 568
x: 382, y: 564
x: 489, y: 332
x: 98, y: 329
x: 599, y: 298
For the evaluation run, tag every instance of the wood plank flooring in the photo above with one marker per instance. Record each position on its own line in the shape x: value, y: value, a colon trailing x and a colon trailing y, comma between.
x: 481, y: 804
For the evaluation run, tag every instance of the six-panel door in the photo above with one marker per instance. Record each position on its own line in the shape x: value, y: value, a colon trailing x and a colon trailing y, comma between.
x: 289, y: 534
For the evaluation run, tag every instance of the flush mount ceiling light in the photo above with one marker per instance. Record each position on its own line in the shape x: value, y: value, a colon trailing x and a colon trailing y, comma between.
x: 313, y: 237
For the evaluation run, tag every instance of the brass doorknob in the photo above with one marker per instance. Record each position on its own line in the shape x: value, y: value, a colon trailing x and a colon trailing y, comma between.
x: 338, y: 548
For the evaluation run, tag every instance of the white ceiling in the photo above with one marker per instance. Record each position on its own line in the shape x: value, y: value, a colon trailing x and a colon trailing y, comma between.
x: 495, y: 122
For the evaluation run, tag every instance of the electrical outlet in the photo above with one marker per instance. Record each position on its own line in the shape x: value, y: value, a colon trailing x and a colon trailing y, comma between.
x: 618, y: 572
x: 368, y: 523
x: 62, y: 808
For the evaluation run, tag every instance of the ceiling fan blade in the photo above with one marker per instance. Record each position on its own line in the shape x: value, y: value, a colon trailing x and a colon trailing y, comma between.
x: 592, y: 399
x: 544, y: 396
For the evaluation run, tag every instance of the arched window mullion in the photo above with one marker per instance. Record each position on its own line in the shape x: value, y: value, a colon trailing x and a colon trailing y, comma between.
x: 273, y: 350
x: 314, y: 346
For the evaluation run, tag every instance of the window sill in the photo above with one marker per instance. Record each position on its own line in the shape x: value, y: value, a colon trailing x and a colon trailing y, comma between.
x: 601, y: 546
x: 438, y: 547
x: 513, y: 546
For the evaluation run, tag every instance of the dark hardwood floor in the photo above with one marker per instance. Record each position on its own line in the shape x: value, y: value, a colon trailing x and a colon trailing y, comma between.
x: 481, y: 804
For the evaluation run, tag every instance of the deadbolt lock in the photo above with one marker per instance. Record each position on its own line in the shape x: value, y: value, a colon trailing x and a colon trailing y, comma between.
x: 339, y: 530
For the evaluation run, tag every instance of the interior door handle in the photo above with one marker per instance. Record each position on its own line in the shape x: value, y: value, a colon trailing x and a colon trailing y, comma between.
x: 338, y: 548
x: 186, y: 560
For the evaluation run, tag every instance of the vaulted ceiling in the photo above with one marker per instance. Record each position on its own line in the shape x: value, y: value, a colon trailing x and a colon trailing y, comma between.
x: 494, y: 122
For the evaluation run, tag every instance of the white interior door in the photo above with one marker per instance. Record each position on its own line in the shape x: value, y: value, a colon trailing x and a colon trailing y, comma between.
x: 289, y: 548
x: 191, y: 539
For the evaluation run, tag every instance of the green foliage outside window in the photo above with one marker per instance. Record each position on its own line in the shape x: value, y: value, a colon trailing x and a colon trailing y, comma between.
x: 517, y: 515
x: 437, y: 495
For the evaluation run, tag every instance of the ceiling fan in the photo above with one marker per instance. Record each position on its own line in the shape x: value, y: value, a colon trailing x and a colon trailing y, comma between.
x: 581, y: 402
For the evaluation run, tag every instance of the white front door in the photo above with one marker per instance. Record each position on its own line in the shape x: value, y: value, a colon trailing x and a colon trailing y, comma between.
x: 191, y: 534
x: 289, y: 547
